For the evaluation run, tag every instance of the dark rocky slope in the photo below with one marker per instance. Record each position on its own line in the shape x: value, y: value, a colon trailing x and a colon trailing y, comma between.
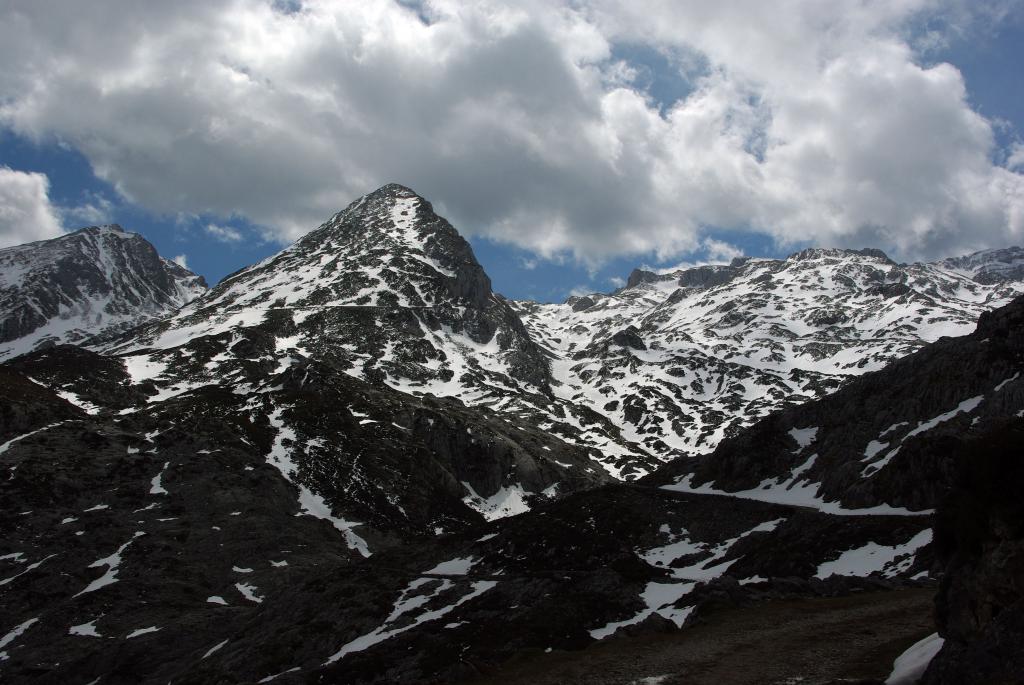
x: 980, y: 542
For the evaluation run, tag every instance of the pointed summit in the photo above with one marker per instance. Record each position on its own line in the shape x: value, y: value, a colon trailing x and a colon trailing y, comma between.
x: 389, y: 248
x: 396, y: 189
x: 386, y: 286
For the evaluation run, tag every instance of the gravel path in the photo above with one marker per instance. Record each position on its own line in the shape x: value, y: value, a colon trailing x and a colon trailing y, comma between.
x: 797, y: 642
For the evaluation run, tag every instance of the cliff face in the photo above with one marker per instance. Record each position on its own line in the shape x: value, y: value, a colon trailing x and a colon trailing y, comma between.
x: 979, y: 536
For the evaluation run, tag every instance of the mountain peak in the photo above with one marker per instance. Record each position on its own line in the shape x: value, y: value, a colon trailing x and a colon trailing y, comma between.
x: 94, y: 281
x: 104, y: 228
x: 394, y: 189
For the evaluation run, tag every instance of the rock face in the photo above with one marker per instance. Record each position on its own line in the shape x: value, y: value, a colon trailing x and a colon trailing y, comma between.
x: 95, y: 281
x: 727, y: 345
x: 980, y: 541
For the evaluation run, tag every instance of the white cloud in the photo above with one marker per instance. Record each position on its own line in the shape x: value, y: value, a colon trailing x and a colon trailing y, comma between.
x: 181, y: 260
x: 1016, y: 158
x: 225, y: 234
x: 719, y: 251
x: 95, y: 210
x: 809, y: 121
x: 616, y: 281
x: 581, y: 291
x: 25, y: 210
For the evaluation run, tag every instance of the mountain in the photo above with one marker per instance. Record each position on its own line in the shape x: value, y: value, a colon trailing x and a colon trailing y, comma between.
x: 355, y: 463
x: 168, y: 543
x: 882, y: 439
x: 680, y: 361
x: 95, y: 281
x: 989, y: 266
x: 375, y: 335
x: 384, y: 270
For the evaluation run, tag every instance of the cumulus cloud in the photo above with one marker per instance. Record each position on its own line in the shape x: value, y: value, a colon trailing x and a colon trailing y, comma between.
x: 581, y: 291
x: 93, y: 211
x: 804, y: 120
x: 25, y: 210
x: 719, y: 251
x: 1016, y: 157
x: 224, y: 234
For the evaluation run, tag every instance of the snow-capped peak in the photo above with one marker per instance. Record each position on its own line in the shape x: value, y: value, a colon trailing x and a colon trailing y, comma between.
x: 385, y: 287
x: 989, y: 266
x: 97, y: 280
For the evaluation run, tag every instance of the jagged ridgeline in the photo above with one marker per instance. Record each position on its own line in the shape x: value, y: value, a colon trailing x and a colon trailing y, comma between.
x: 309, y: 472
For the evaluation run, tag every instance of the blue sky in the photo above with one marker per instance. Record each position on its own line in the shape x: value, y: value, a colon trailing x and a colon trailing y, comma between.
x: 557, y: 240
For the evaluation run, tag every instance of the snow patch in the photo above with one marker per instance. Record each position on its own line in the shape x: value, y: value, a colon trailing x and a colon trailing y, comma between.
x: 407, y: 604
x: 157, y: 486
x: 141, y: 631
x: 311, y: 503
x: 13, y: 635
x: 249, y: 592
x: 213, y: 649
x: 7, y: 445
x: 509, y: 500
x: 659, y: 598
x: 804, y: 436
x: 112, y: 563
x: 796, y: 494
x: 30, y: 567
x: 453, y: 567
x: 875, y: 558
x: 85, y: 629
x: 910, y: 666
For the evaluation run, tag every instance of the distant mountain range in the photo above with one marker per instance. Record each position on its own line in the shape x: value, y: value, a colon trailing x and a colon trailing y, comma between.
x: 354, y: 462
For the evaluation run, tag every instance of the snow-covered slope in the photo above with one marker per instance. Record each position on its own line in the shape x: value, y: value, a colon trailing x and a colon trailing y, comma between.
x: 389, y: 290
x: 95, y: 281
x: 989, y: 266
x: 377, y: 334
x: 682, y: 360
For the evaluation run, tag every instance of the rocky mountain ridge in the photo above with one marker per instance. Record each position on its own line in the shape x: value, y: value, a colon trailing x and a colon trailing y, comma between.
x: 98, y: 280
x: 682, y: 360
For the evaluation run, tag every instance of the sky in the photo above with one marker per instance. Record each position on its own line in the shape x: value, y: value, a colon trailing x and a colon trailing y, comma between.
x: 568, y: 141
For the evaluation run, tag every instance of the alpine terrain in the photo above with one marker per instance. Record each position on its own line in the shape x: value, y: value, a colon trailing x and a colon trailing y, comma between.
x: 95, y: 281
x: 354, y: 462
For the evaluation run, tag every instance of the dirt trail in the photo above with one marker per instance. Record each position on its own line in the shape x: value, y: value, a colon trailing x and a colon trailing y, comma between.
x: 798, y: 642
